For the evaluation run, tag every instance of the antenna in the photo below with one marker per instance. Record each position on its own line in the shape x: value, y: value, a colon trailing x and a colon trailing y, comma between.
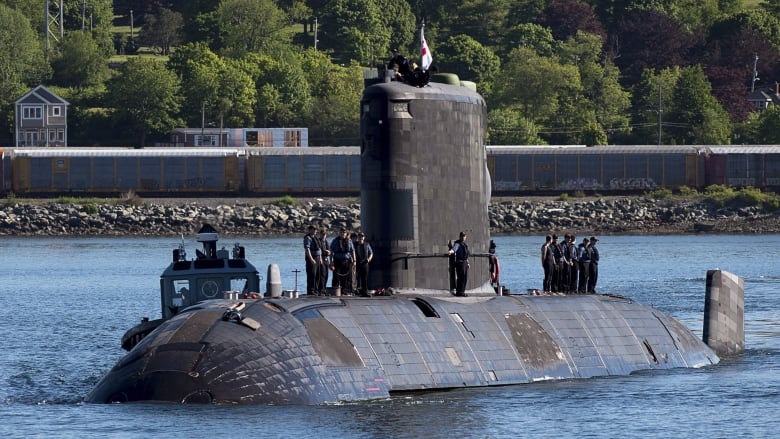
x: 755, y: 74
x: 52, y: 23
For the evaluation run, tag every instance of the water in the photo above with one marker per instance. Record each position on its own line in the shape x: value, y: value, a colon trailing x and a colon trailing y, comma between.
x: 66, y: 302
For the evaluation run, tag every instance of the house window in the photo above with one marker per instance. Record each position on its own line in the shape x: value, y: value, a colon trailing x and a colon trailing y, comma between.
x: 61, y: 135
x: 56, y: 111
x: 32, y: 113
x: 205, y: 140
x: 292, y: 138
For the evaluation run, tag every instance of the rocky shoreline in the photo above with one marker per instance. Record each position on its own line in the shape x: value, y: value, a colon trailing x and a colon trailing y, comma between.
x: 153, y: 217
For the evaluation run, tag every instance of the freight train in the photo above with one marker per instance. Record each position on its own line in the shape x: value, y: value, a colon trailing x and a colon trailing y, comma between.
x: 335, y: 171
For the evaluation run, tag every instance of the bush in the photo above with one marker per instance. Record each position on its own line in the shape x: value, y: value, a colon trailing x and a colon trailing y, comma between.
x: 284, y: 201
x: 564, y: 197
x: 719, y: 194
x: 747, y: 196
x: 660, y: 193
x: 688, y: 192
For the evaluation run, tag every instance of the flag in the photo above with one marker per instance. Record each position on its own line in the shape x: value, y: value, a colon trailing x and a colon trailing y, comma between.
x: 427, y: 58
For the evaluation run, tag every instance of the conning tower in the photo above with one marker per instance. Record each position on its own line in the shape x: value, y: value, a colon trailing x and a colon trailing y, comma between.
x: 423, y: 180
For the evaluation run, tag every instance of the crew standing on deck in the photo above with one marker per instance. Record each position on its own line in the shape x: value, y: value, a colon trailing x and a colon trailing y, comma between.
x: 343, y: 253
x: 363, y: 255
x: 594, y: 265
x: 583, y: 252
x: 461, y: 251
x: 313, y: 254
x: 559, y: 264
x: 574, y: 264
x: 324, y: 261
x: 548, y: 264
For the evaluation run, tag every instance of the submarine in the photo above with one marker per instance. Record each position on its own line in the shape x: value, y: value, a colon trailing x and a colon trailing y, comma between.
x: 423, y: 179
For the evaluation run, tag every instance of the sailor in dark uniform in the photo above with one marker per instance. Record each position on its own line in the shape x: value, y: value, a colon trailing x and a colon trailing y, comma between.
x: 594, y: 265
x: 583, y: 251
x: 363, y: 255
x: 574, y: 264
x: 343, y: 253
x: 461, y: 251
x: 559, y: 264
x: 548, y: 264
x: 324, y: 261
x: 313, y: 254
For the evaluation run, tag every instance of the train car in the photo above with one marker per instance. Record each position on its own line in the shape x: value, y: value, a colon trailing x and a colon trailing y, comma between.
x: 301, y: 171
x: 743, y: 166
x: 110, y: 171
x: 552, y: 169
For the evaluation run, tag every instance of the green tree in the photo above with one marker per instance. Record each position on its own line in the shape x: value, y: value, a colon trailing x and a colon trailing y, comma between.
x: 534, y: 85
x: 251, y: 26
x: 701, y: 118
x: 652, y: 95
x: 283, y: 93
x: 198, y: 69
x: 22, y: 65
x: 145, y: 98
x: 482, y: 20
x: 471, y: 61
x: 509, y: 127
x: 354, y: 30
x: 335, y: 90
x: 399, y: 19
x: 605, y: 97
x: 93, y: 16
x: 768, y: 126
x: 80, y: 62
x: 162, y: 30
x: 531, y: 36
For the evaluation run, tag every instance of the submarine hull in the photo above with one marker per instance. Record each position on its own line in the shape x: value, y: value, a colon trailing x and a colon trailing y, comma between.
x: 328, y: 350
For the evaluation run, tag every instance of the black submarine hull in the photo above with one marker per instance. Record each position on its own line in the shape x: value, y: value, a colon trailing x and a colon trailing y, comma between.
x: 327, y: 349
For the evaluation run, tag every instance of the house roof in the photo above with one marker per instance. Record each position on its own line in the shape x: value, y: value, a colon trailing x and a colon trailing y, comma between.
x: 767, y: 94
x: 41, y: 95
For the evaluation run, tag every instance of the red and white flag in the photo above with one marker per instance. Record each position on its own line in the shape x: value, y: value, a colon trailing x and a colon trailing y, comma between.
x: 427, y: 58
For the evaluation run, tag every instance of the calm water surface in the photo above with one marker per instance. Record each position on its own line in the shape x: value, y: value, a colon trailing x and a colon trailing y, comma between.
x: 65, y: 303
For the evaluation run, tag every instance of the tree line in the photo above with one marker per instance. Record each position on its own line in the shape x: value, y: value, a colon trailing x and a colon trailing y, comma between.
x: 552, y: 72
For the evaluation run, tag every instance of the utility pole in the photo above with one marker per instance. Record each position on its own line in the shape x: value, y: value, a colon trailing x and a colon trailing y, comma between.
x: 132, y: 42
x: 660, y: 111
x: 315, y: 33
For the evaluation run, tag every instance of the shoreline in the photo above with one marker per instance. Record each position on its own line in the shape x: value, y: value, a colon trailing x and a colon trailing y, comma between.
x: 638, y: 215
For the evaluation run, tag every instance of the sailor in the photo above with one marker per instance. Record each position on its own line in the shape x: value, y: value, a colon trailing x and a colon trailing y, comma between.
x: 548, y: 264
x: 324, y: 261
x: 399, y: 64
x: 593, y: 276
x: 313, y: 254
x: 559, y: 264
x: 583, y: 252
x: 563, y: 284
x: 574, y: 263
x: 363, y: 255
x: 343, y: 253
x: 493, y: 267
x: 461, y: 251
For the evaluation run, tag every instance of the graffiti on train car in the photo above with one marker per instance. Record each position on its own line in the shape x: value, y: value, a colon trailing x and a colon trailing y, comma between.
x: 509, y: 185
x: 580, y: 183
x: 632, y: 183
x: 741, y: 181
